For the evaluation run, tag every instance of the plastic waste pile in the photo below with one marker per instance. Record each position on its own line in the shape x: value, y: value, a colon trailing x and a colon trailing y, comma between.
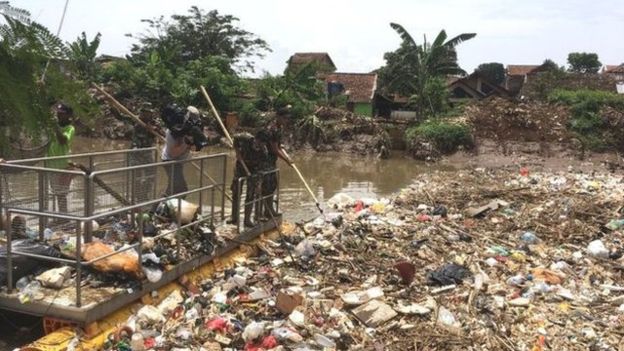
x: 472, y: 260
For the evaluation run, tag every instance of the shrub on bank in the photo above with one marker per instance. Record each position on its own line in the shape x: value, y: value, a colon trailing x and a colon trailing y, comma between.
x: 588, y: 122
x: 446, y: 137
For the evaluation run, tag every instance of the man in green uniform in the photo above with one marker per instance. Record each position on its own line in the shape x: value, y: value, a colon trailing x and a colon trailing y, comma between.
x: 271, y: 137
x: 60, y: 145
x: 249, y: 152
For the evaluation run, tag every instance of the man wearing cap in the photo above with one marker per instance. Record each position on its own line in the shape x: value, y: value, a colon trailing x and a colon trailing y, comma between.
x: 60, y: 145
x: 271, y: 137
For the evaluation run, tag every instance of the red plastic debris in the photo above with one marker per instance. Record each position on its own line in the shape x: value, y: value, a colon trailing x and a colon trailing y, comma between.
x: 359, y: 206
x: 149, y: 343
x: 406, y: 271
x: 269, y: 342
x: 524, y: 171
x: 421, y: 217
x: 218, y: 324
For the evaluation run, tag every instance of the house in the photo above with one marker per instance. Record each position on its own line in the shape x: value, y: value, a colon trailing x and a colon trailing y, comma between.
x: 359, y: 88
x: 614, y: 71
x: 517, y: 75
x: 474, y: 86
x: 324, y: 61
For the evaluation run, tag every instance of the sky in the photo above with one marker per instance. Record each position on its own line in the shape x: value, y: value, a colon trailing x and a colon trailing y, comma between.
x: 356, y: 34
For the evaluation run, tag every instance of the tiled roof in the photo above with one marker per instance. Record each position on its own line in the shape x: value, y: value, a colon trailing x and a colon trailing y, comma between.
x: 520, y: 70
x: 615, y: 69
x: 360, y: 86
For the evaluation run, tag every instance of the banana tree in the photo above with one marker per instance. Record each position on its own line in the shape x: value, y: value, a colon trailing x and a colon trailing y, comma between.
x: 419, y: 64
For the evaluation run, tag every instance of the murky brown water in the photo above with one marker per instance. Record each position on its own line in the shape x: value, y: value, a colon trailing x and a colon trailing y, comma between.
x: 327, y: 174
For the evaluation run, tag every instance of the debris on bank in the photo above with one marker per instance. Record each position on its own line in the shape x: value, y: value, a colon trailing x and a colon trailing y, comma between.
x: 469, y: 260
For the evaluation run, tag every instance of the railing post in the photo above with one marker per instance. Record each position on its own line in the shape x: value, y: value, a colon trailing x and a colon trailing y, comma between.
x: 7, y: 228
x: 277, y: 191
x: 223, y: 187
x: 201, y: 184
x: 88, y: 205
x: 212, y: 203
x: 41, y: 199
x: 239, y: 188
x: 179, y: 231
x: 78, y: 263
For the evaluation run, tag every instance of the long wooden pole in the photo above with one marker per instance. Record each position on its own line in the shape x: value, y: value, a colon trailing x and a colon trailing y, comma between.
x: 121, y: 108
x: 225, y: 131
x: 294, y: 166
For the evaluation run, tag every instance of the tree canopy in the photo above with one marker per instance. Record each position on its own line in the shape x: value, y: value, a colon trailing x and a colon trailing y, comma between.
x: 584, y: 62
x: 199, y: 34
x: 410, y: 69
x: 493, y: 71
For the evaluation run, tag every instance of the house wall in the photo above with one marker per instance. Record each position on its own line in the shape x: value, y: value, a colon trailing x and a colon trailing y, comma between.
x: 363, y: 108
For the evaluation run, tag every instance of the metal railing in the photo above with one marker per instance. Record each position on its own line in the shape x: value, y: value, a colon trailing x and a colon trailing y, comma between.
x: 93, y: 186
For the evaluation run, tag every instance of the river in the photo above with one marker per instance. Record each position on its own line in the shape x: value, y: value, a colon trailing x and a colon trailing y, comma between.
x: 326, y: 173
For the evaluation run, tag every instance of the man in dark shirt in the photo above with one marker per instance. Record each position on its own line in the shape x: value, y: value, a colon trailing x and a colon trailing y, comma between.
x: 271, y: 137
x: 250, y: 153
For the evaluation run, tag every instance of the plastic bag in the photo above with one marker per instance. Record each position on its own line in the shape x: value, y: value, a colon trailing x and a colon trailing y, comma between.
x: 23, y: 266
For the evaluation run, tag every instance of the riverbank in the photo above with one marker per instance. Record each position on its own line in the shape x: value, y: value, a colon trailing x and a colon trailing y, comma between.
x: 474, y: 259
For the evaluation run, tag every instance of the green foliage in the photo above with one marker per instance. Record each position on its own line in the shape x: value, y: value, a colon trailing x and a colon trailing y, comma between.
x: 584, y: 62
x: 173, y: 58
x: 82, y: 53
x: 300, y: 89
x: 311, y: 129
x: 493, y: 71
x: 409, y: 69
x: 550, y: 66
x: 447, y: 137
x: 198, y: 35
x: 586, y: 122
x: 434, y: 97
x: 26, y: 49
x: 591, y: 98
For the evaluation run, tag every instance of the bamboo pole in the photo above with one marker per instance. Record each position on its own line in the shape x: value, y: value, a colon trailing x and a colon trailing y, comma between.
x: 121, y: 108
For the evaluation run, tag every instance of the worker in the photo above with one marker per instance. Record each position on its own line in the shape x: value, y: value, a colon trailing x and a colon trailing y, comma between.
x: 177, y: 147
x: 271, y: 137
x: 145, y: 178
x: 249, y: 153
x: 60, y: 145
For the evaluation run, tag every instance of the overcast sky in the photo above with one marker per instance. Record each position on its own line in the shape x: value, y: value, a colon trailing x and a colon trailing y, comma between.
x: 357, y: 33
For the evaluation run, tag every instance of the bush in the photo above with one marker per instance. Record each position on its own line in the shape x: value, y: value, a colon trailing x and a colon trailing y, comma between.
x: 447, y: 137
x: 587, y: 123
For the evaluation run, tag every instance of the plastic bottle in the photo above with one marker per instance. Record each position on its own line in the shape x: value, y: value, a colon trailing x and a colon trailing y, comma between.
x: 137, y: 343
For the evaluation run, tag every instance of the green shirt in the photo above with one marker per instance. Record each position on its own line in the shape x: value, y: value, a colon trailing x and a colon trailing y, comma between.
x: 57, y: 149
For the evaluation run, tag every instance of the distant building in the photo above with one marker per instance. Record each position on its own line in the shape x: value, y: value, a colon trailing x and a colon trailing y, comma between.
x: 517, y: 75
x: 359, y: 88
x: 614, y: 71
x: 324, y: 62
x: 474, y: 86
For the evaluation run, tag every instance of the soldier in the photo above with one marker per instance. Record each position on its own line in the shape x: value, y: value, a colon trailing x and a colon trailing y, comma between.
x: 249, y: 152
x: 271, y: 137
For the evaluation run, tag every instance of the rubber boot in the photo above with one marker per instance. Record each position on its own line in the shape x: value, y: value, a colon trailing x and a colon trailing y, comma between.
x: 248, y: 222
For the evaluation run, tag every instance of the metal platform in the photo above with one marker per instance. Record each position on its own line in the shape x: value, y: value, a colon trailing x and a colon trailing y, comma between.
x: 118, y: 183
x: 93, y: 312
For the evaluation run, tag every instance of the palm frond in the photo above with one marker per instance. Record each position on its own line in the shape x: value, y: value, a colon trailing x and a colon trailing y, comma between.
x: 459, y: 39
x: 403, y: 34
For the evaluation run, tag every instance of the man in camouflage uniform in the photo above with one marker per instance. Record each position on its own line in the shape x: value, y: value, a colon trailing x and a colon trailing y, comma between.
x: 144, y: 179
x: 249, y: 152
x: 271, y: 138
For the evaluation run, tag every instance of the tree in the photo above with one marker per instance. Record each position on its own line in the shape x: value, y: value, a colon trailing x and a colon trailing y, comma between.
x: 493, y: 71
x: 26, y: 48
x: 409, y: 69
x: 82, y: 53
x: 551, y: 66
x: 198, y: 35
x: 584, y: 62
